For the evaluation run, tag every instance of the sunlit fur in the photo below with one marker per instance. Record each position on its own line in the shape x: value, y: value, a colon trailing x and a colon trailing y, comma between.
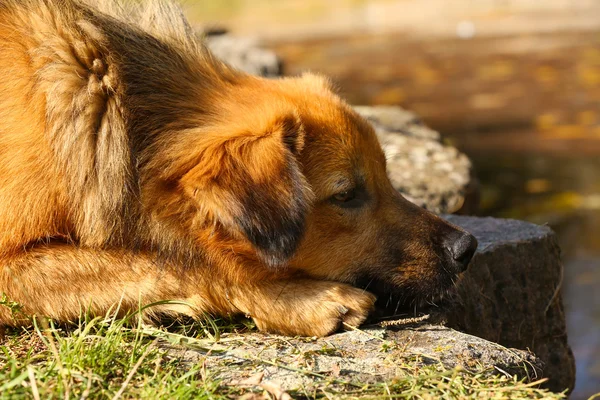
x: 136, y: 168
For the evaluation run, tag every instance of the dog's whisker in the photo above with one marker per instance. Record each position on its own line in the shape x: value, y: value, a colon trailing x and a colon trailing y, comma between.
x: 397, y: 306
x: 368, y: 284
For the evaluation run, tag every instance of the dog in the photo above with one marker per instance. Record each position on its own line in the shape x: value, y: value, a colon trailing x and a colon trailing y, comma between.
x: 135, y: 168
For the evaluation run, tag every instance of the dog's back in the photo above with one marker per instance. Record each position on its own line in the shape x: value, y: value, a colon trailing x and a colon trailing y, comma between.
x: 82, y: 94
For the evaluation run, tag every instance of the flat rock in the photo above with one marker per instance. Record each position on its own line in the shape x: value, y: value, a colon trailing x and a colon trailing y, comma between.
x: 511, y: 293
x: 426, y: 171
x: 370, y: 355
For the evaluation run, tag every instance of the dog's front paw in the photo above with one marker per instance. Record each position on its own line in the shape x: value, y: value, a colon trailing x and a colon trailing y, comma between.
x: 316, y: 309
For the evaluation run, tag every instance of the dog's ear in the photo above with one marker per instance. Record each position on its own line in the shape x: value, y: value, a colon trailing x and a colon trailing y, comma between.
x: 251, y: 181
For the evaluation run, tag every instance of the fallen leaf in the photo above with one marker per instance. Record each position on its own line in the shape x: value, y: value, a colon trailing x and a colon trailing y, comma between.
x: 335, y: 370
x: 275, y: 390
x: 253, y: 380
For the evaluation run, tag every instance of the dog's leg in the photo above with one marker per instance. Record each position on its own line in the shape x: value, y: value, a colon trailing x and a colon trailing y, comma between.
x: 60, y: 281
x: 302, y: 306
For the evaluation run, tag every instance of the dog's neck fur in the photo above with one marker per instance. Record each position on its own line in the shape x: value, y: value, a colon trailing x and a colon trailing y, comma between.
x: 169, y: 86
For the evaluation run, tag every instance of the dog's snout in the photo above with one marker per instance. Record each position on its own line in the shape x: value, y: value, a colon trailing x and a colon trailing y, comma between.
x: 461, y: 246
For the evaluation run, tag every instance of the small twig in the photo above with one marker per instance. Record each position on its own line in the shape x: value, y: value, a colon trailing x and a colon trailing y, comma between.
x: 88, y: 387
x: 305, y: 372
x: 503, y: 372
x: 182, y: 340
x: 404, y: 321
x: 48, y: 333
x: 522, y: 386
x: 34, y: 388
x: 354, y: 328
x: 134, y: 370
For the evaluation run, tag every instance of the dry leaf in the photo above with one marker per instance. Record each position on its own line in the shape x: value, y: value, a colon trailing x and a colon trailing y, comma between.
x: 335, y: 370
x: 275, y: 390
x: 253, y: 380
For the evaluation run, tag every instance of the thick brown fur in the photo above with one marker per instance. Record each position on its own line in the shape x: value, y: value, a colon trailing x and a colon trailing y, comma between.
x: 136, y: 168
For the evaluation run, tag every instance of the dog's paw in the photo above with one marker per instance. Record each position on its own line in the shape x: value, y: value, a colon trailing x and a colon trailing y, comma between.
x: 353, y: 306
x: 318, y: 309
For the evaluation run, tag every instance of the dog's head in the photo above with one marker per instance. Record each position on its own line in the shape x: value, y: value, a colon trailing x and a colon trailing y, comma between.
x: 300, y: 177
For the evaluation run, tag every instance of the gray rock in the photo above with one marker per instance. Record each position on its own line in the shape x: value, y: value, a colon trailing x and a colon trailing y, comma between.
x: 511, y: 293
x: 244, y: 53
x: 425, y: 170
x: 395, y: 119
x: 364, y: 356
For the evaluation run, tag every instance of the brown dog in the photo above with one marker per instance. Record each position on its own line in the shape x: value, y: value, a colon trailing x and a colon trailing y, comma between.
x: 135, y: 168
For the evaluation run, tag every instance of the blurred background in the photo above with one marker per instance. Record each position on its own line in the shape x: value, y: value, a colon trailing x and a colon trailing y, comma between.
x: 514, y: 84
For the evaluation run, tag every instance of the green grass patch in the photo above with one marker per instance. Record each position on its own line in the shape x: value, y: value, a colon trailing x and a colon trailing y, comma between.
x: 102, y: 358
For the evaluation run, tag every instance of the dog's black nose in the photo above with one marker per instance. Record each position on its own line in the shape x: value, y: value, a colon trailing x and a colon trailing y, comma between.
x: 462, y: 246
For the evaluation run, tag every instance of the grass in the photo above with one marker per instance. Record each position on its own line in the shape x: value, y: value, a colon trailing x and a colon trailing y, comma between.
x: 111, y: 358
x: 99, y: 358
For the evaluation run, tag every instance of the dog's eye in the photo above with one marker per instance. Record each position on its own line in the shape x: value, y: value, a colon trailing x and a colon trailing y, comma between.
x: 353, y: 198
x: 345, y: 196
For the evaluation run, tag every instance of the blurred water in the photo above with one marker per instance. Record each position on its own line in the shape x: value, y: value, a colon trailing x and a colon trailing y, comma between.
x: 563, y: 192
